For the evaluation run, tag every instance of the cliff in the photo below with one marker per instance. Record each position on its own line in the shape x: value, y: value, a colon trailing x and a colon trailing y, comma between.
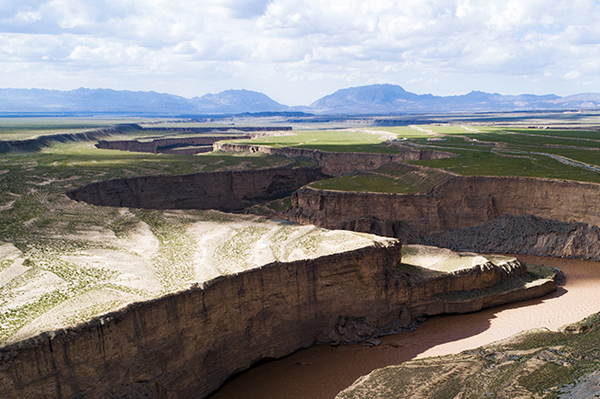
x: 188, y: 343
x: 37, y: 143
x: 571, y: 211
x: 163, y: 145
x: 523, y: 234
x: 229, y: 190
x: 338, y: 164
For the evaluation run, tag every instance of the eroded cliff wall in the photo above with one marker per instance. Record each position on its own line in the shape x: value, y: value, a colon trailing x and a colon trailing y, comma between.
x: 523, y: 234
x: 462, y: 203
x: 160, y: 145
x: 188, y: 343
x: 37, y: 143
x: 229, y: 190
x: 338, y: 164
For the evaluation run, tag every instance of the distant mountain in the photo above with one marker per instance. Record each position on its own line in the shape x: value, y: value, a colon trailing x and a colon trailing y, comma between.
x: 107, y: 101
x: 372, y: 99
x: 237, y: 101
x: 386, y: 99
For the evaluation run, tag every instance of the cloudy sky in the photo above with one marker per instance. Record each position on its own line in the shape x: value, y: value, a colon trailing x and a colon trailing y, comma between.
x: 296, y: 51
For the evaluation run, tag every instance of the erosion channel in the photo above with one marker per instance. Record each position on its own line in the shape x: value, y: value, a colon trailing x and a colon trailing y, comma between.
x: 187, y: 343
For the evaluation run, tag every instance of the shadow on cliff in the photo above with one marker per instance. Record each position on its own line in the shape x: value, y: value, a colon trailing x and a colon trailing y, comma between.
x: 322, y: 371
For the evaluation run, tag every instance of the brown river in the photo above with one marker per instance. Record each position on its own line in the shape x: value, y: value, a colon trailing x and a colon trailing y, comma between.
x: 321, y: 371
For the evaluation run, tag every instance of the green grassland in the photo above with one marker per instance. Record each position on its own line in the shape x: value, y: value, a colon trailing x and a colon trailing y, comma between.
x: 22, y: 128
x: 327, y: 140
x: 482, y: 150
x: 392, y: 178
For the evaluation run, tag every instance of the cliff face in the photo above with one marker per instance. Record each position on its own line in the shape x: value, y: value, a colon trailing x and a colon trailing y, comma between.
x: 458, y: 203
x: 36, y: 144
x: 163, y: 145
x: 524, y: 234
x: 186, y: 344
x: 462, y: 203
x: 230, y: 190
x: 338, y: 164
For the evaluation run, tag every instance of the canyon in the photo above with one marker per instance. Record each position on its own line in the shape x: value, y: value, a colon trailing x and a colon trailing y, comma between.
x: 226, y: 191
x: 337, y: 163
x: 187, y: 343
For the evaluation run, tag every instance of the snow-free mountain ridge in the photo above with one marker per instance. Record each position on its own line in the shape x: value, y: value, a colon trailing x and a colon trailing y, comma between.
x: 372, y: 99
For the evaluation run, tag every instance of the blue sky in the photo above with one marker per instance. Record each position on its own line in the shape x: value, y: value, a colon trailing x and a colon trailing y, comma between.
x: 296, y: 51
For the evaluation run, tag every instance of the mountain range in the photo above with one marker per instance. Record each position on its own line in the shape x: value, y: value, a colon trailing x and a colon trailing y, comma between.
x: 372, y: 99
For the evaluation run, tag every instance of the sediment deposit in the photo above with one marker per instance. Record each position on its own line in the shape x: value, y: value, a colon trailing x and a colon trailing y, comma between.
x: 338, y: 164
x: 229, y: 190
x: 187, y: 343
x: 566, y: 215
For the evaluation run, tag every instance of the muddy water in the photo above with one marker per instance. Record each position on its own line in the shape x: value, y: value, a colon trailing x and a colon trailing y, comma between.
x: 321, y: 371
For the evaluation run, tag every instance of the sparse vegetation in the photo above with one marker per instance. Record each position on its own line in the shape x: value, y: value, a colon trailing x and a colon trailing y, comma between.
x: 83, y: 260
x: 536, y: 364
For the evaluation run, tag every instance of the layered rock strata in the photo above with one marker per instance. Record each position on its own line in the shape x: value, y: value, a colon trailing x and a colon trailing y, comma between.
x: 338, y: 164
x: 228, y: 191
x: 170, y: 145
x: 523, y: 234
x: 188, y: 343
x: 565, y: 215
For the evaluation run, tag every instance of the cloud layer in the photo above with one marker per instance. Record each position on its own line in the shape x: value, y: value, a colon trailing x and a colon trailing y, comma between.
x: 299, y: 50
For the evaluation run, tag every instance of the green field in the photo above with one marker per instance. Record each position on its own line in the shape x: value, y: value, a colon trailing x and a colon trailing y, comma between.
x: 391, y: 178
x: 327, y: 140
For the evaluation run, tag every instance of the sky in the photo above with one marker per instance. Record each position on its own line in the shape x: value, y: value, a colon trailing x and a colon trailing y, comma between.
x: 297, y: 51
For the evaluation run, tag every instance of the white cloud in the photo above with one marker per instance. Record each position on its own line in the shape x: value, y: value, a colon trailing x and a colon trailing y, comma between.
x: 316, y: 43
x: 572, y: 75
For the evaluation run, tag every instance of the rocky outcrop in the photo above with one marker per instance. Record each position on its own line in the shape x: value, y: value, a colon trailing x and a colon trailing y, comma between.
x: 188, y: 343
x: 338, y: 164
x: 227, y: 191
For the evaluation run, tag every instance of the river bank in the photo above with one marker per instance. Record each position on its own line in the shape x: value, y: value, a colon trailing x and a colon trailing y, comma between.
x: 322, y: 371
